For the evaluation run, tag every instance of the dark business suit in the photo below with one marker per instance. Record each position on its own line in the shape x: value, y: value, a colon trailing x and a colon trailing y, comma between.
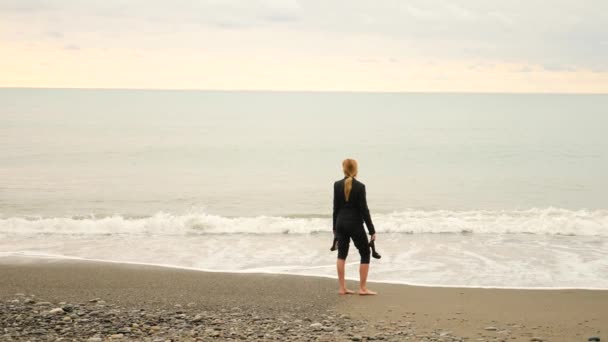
x: 348, y: 219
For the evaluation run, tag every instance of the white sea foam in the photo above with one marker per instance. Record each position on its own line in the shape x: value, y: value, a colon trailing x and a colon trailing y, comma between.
x: 548, y: 221
x: 35, y: 257
x: 476, y: 260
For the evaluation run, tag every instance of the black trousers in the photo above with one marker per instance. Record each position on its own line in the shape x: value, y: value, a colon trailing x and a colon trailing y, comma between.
x: 348, y: 228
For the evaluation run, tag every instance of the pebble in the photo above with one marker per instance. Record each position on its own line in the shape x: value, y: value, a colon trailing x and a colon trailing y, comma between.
x: 44, y: 304
x: 490, y: 328
x: 56, y: 311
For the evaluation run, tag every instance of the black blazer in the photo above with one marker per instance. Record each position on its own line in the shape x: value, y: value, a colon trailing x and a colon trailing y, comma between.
x: 357, y: 200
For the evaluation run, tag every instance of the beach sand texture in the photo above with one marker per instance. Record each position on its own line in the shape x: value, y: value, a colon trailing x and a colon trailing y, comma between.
x: 104, y: 301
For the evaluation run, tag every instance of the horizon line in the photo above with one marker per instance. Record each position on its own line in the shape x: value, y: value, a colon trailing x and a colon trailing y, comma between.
x: 308, y: 91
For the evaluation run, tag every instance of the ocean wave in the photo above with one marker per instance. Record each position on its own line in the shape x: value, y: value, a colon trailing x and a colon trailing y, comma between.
x: 547, y: 221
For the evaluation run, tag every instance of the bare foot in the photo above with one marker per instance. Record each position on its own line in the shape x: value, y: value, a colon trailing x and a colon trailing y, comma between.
x: 345, y: 291
x: 366, y: 292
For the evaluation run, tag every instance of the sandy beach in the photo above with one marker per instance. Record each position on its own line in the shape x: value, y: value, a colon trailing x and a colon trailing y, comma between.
x: 81, y: 300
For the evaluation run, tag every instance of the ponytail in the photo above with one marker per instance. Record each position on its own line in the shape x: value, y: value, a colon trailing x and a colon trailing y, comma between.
x: 349, y: 166
x: 348, y: 185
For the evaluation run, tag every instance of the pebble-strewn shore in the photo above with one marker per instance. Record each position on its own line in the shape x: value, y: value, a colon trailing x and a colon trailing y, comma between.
x: 56, y: 300
x: 27, y: 317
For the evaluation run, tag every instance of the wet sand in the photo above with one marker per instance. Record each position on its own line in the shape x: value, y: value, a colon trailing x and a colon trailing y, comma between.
x: 516, y: 315
x: 293, y: 307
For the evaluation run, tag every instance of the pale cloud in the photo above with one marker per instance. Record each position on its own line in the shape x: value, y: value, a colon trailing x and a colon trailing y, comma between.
x: 557, y: 67
x: 369, y: 60
x: 479, y: 45
x: 71, y: 47
x: 524, y: 69
x: 55, y: 34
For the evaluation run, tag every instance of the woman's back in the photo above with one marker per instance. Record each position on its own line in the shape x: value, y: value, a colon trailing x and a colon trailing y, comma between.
x: 355, y: 207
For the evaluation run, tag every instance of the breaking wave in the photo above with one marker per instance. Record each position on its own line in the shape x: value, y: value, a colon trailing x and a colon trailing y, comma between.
x: 548, y: 221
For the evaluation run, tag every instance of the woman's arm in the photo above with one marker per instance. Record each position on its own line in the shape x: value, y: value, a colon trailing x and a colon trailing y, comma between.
x: 365, y: 212
x: 336, y: 204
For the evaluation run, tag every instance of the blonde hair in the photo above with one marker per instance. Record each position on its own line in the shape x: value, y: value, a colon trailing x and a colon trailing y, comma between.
x: 349, y: 166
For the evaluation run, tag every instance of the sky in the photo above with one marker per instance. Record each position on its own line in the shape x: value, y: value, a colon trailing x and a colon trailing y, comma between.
x: 320, y: 45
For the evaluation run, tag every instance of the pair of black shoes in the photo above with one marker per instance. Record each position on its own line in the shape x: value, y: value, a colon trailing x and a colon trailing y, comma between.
x: 372, y: 245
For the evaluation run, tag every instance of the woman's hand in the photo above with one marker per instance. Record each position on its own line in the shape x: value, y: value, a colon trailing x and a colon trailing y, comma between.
x: 373, y: 238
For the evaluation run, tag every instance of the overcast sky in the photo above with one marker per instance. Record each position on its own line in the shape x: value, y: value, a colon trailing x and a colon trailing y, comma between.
x: 353, y: 45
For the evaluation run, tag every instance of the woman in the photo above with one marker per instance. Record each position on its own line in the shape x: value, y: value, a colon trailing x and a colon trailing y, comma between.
x: 350, y: 211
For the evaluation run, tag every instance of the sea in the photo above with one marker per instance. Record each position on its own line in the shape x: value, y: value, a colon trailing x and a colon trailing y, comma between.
x: 471, y: 190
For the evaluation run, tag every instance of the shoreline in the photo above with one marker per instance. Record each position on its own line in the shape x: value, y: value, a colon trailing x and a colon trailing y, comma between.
x: 57, y: 258
x: 309, y: 306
